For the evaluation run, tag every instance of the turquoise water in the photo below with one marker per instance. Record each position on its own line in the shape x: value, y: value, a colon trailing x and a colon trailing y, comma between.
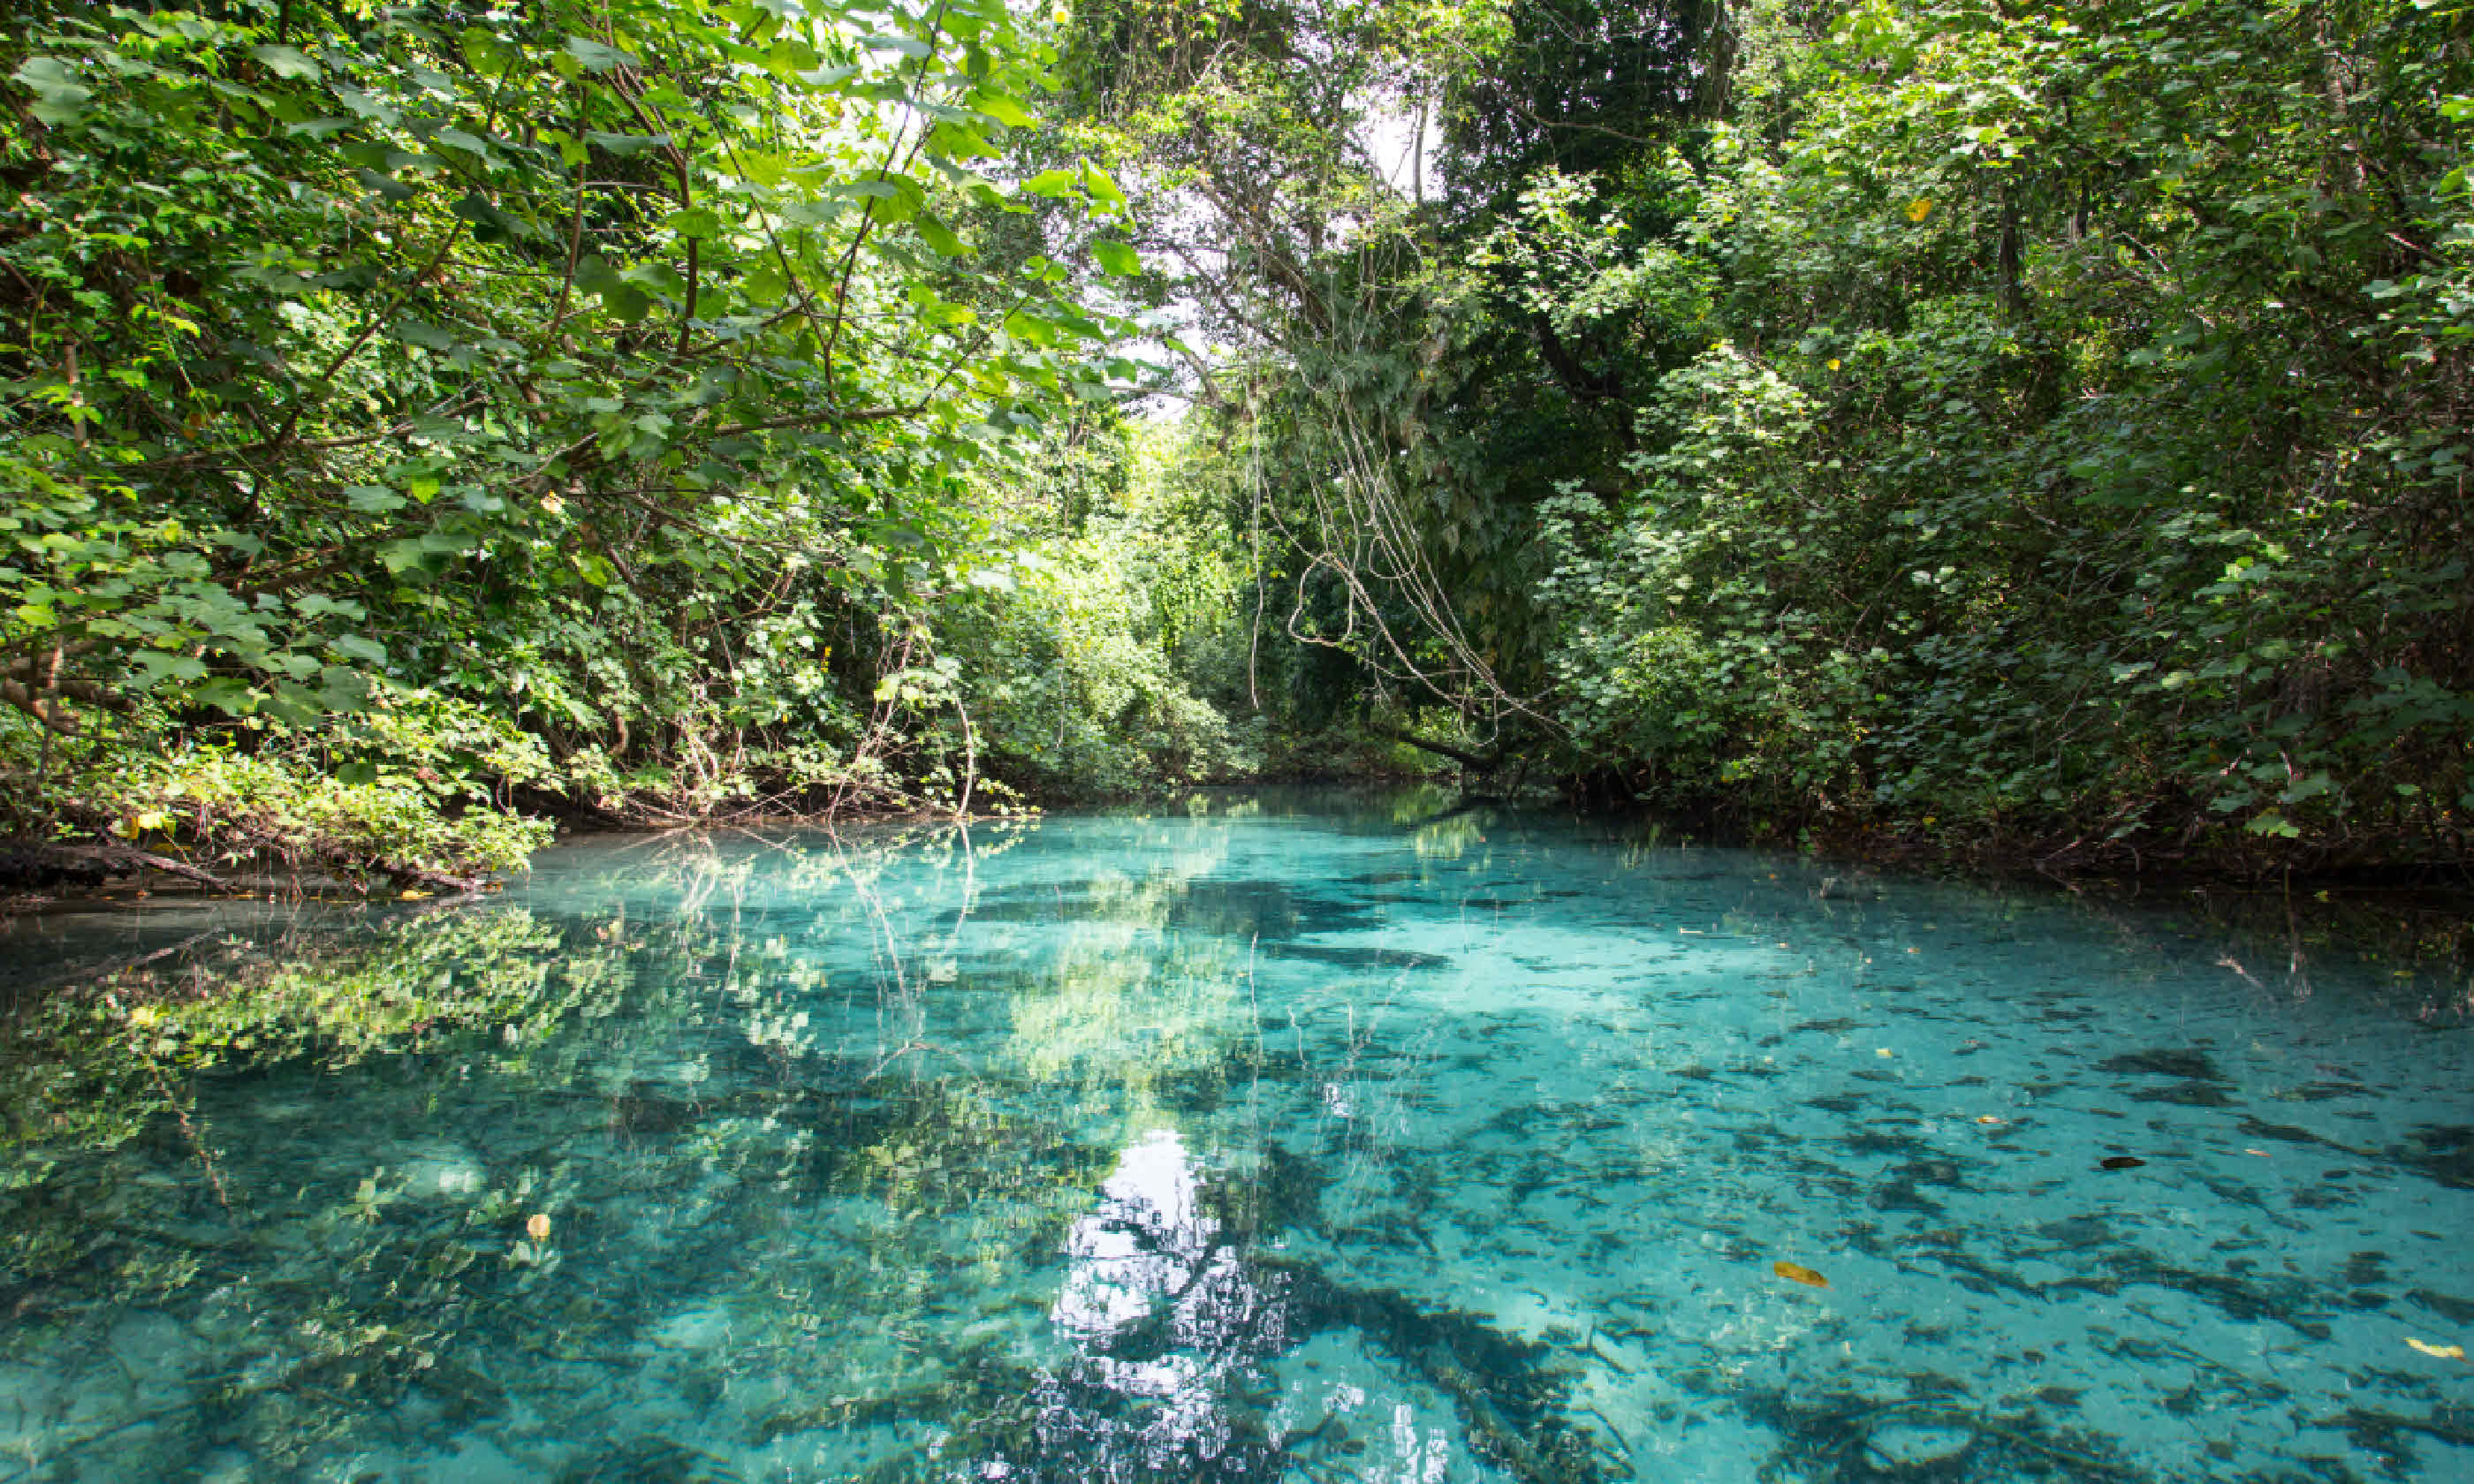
x: 1263, y: 1139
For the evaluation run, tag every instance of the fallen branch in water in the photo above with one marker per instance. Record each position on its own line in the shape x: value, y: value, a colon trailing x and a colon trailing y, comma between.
x: 1466, y: 760
x: 41, y: 866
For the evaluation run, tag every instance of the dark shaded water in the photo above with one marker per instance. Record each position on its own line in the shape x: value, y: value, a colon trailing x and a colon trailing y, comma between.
x: 1275, y: 1138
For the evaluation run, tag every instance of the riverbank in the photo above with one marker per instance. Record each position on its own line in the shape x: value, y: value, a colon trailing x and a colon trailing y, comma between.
x: 37, y: 874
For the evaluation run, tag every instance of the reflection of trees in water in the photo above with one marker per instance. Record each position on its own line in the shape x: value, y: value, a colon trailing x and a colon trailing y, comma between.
x: 87, y: 1066
x: 2403, y: 948
x: 161, y: 1150
x: 1178, y: 1313
x: 148, y: 1183
x: 973, y: 1151
x: 974, y: 1155
x: 795, y: 1091
x: 1166, y: 1316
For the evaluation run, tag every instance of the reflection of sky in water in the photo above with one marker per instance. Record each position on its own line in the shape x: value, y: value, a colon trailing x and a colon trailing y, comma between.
x: 1241, y: 1146
x: 1143, y: 1244
x: 1149, y: 1254
x: 1148, y: 1248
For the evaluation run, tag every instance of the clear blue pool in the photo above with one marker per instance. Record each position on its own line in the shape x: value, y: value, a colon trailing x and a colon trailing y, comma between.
x: 1276, y: 1137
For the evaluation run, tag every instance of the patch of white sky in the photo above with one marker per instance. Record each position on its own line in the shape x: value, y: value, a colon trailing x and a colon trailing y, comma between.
x: 1399, y: 141
x: 1399, y: 138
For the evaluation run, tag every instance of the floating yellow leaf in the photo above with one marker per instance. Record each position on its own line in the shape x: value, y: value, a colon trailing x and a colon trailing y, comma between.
x: 2438, y: 1352
x: 1883, y: 1051
x: 1918, y: 210
x: 1987, y: 1120
x: 1798, y: 1273
x: 538, y: 1228
x: 411, y: 894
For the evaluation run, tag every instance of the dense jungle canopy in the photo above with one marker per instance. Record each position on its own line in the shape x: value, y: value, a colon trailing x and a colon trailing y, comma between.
x: 2030, y: 428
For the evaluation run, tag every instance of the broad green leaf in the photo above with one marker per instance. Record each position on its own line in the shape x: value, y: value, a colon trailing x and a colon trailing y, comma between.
x: 1117, y: 258
x: 487, y: 55
x: 594, y: 57
x: 402, y: 556
x: 939, y: 236
x: 225, y: 694
x: 373, y: 499
x: 624, y: 144
x: 893, y: 206
x: 786, y: 60
x: 1029, y: 328
x: 154, y: 667
x: 656, y: 275
x: 952, y: 141
x: 766, y: 284
x: 489, y: 223
x: 626, y: 303
x: 286, y: 62
x: 593, y: 274
x: 1005, y: 109
x: 1104, y: 190
x: 423, y: 333
x: 61, y: 96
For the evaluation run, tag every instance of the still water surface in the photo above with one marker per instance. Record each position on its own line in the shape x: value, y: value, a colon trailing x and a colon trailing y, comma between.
x: 1273, y: 1137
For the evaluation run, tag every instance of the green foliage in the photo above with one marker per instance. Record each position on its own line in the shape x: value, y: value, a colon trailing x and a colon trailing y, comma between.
x: 1083, y: 673
x: 91, y: 1067
x: 412, y: 792
x: 2041, y: 426
x: 2034, y: 426
x: 2072, y: 465
x: 230, y: 806
x: 618, y: 370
